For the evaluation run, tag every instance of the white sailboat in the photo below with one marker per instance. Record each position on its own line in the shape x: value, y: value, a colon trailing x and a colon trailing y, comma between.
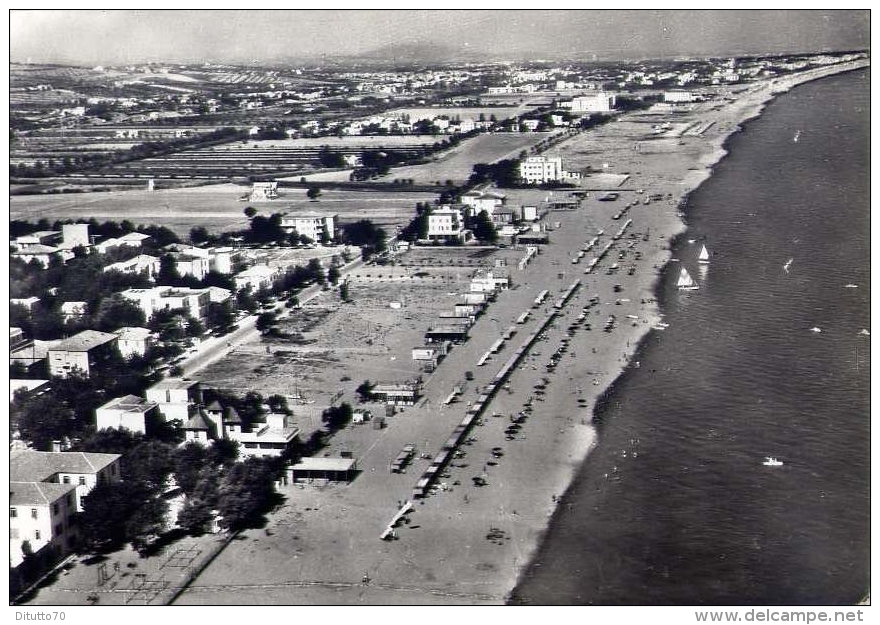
x: 770, y: 461
x: 704, y: 256
x: 685, y: 282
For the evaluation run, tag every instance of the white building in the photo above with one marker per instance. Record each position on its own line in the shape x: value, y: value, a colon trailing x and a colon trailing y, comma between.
x: 130, y: 412
x: 255, y: 277
x: 177, y: 398
x: 83, y: 351
x: 311, y: 224
x: 264, y: 191
x: 447, y: 223
x: 541, y: 169
x: 140, y: 263
x: 482, y: 201
x: 679, y: 97
x: 601, y: 102
x: 193, y: 301
x: 133, y: 341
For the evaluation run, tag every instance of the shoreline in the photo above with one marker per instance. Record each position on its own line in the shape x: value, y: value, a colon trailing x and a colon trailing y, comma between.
x: 754, y: 111
x: 446, y: 575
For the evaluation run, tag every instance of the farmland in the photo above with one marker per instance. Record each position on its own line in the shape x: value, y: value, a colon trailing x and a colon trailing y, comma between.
x: 215, y: 207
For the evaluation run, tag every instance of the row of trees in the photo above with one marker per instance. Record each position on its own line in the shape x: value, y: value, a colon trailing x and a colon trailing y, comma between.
x: 96, y: 160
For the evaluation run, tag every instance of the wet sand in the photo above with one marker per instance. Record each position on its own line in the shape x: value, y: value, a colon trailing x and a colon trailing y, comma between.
x: 466, y: 543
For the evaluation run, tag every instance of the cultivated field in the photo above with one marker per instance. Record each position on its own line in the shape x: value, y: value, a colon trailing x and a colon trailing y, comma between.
x: 457, y: 163
x: 215, y: 207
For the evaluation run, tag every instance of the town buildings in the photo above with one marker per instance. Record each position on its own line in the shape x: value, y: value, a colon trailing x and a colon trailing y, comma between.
x: 83, y: 352
x: 447, y: 224
x: 542, y: 169
x: 46, y: 490
x: 130, y: 412
x: 315, y: 226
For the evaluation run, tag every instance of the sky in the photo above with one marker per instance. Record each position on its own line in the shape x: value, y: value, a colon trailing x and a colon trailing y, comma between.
x: 129, y: 36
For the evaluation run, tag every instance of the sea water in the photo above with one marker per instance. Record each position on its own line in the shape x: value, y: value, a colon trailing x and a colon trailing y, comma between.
x: 674, y: 506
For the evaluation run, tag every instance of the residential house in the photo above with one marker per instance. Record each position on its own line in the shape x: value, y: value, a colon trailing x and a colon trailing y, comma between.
x: 43, y: 515
x: 190, y: 265
x: 49, y: 238
x: 130, y: 412
x: 601, y: 102
x: 447, y: 223
x: 177, y: 398
x: 83, y: 351
x: 133, y: 341
x: 480, y: 201
x: 315, y: 226
x: 83, y: 470
x: 43, y: 254
x: 194, y: 302
x: 541, y: 169
x: 140, y: 263
x: 255, y: 277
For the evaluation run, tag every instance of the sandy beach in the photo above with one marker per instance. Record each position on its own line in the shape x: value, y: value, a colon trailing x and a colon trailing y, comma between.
x: 466, y: 543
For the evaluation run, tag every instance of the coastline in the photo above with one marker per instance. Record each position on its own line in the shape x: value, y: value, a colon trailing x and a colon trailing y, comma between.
x: 338, y: 583
x: 712, y: 158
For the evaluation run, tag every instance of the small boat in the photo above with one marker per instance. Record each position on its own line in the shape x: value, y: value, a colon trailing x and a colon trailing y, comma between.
x: 864, y: 332
x: 797, y: 136
x: 685, y: 282
x: 660, y: 326
x: 770, y: 461
x: 704, y: 256
x: 787, y: 265
x: 816, y: 329
x: 850, y: 286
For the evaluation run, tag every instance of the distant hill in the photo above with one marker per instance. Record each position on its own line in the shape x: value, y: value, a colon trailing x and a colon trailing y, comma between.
x: 421, y: 54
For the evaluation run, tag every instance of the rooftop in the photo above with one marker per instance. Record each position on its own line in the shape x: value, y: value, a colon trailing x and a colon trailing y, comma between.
x: 129, y: 403
x: 132, y: 333
x: 325, y: 464
x: 197, y: 422
x: 38, y: 248
x: 84, y: 341
x: 37, y: 493
x: 29, y: 466
x: 173, y: 383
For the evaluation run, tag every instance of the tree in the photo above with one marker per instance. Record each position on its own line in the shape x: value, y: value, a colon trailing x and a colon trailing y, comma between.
x: 116, y: 312
x: 313, y: 193
x: 47, y: 418
x: 223, y: 453
x: 343, y: 292
x: 245, y: 492
x: 336, y: 417
x: 249, y: 212
x: 265, y: 321
x: 365, y: 390
x: 188, y: 462
x: 148, y: 465
x: 483, y: 228
x: 146, y: 522
x: 168, y: 273
x: 194, y: 516
x: 199, y: 234
x: 112, y: 441
x: 333, y: 275
x: 106, y: 510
